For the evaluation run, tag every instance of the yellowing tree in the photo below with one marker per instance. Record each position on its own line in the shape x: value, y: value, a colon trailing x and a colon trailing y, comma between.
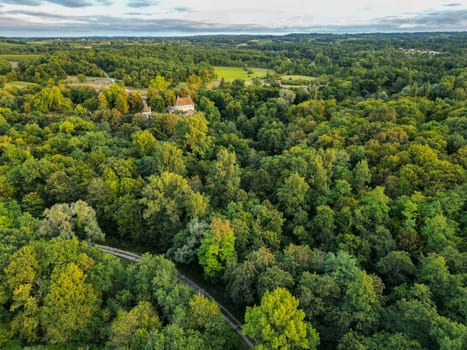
x: 159, y: 83
x: 278, y: 323
x: 46, y: 288
x: 202, y: 311
x: 145, y: 142
x: 116, y: 97
x: 69, y: 304
x: 50, y: 100
x: 20, y: 275
x: 194, y: 82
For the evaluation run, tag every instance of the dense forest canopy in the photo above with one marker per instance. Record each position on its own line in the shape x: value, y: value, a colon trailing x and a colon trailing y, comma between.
x: 324, y: 202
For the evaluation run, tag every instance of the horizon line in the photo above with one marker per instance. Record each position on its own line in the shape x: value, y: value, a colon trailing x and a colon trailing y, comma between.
x: 231, y: 34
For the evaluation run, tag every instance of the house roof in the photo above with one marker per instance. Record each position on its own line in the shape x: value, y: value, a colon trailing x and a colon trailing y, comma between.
x: 184, y: 101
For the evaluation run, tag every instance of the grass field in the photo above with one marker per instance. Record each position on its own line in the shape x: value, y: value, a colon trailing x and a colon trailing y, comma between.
x: 95, y: 82
x: 19, y: 84
x: 99, y: 83
x: 296, y: 80
x: 297, y: 77
x: 5, y: 44
x: 233, y: 73
x: 18, y: 58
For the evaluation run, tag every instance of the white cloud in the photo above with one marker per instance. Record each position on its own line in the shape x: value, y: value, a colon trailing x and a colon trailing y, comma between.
x: 273, y: 15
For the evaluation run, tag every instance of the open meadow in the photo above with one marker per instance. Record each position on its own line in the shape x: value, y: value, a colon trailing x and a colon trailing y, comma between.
x: 242, y: 73
x: 19, y: 84
x: 19, y: 57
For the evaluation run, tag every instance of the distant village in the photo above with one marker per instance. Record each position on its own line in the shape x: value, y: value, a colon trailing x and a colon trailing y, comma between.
x: 420, y: 52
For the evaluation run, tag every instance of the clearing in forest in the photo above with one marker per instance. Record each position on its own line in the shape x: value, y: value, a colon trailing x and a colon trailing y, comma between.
x: 242, y: 73
x: 19, y: 84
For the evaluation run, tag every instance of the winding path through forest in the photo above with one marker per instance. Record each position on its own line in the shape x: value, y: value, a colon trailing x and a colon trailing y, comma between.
x: 234, y: 323
x: 112, y: 80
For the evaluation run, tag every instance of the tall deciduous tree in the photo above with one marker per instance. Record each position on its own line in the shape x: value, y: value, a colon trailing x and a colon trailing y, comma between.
x: 217, y: 247
x: 71, y: 220
x: 192, y: 134
x: 361, y: 175
x: 292, y: 196
x: 169, y: 204
x: 278, y: 323
x: 69, y: 303
x: 145, y: 142
x: 168, y: 157
x: 224, y: 178
x: 142, y: 319
x: 116, y: 97
x: 323, y: 224
x: 159, y: 83
x: 50, y: 100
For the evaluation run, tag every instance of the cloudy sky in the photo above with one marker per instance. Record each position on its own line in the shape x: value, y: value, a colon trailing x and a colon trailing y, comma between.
x: 188, y: 17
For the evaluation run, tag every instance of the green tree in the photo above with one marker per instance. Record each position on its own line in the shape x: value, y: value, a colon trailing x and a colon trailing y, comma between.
x: 156, y: 102
x: 438, y: 231
x: 194, y: 82
x: 121, y: 103
x: 168, y: 157
x: 170, y: 204
x: 278, y: 323
x: 397, y: 267
x: 361, y: 175
x: 135, y: 103
x: 174, y: 337
x: 416, y: 316
x: 217, y: 247
x: 274, y: 277
x: 5, y: 66
x: 320, y: 296
x: 323, y: 224
x: 299, y: 258
x: 320, y: 178
x: 292, y: 196
x: 139, y: 321
x: 145, y: 142
x: 243, y: 277
x: 361, y: 301
x: 192, y: 134
x: 267, y: 225
x: 81, y: 78
x: 379, y: 341
x: 223, y: 179
x: 187, y: 242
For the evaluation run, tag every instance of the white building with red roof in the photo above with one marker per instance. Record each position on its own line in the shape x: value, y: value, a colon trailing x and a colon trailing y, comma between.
x: 185, y: 105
